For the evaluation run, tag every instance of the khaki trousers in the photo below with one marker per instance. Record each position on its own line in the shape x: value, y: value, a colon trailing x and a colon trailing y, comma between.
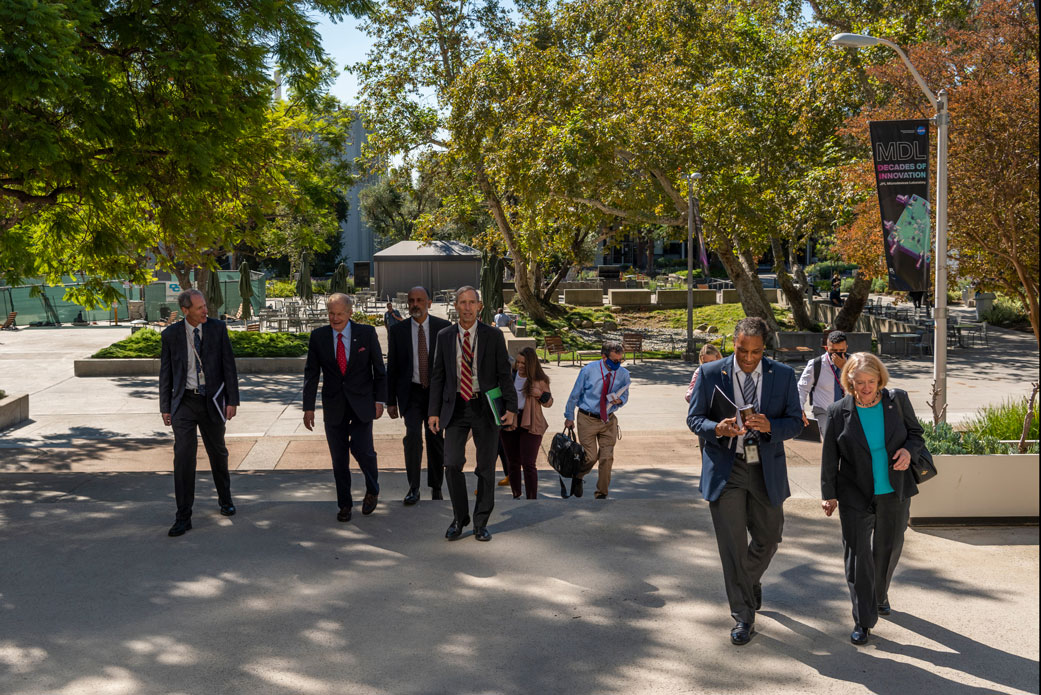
x: 598, y: 439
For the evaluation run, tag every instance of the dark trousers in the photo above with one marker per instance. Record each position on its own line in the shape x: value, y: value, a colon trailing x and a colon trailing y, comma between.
x: 471, y: 416
x: 872, y: 541
x: 743, y: 510
x: 192, y: 414
x: 522, y: 451
x: 415, y: 416
x: 352, y: 436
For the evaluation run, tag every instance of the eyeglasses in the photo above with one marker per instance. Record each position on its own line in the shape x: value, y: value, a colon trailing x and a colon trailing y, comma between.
x: 838, y: 353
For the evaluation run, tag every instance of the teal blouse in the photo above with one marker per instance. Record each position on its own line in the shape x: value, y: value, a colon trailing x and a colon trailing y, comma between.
x: 871, y: 419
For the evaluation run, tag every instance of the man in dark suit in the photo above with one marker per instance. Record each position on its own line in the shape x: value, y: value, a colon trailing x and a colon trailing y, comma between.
x: 470, y: 360
x: 198, y: 390
x: 347, y: 356
x: 410, y: 361
x: 744, y: 475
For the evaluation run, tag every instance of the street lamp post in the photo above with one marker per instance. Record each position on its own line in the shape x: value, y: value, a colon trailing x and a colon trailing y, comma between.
x: 942, y: 120
x: 691, y: 212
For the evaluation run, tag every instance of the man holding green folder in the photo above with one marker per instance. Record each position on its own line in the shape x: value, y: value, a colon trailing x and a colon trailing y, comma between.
x: 471, y: 390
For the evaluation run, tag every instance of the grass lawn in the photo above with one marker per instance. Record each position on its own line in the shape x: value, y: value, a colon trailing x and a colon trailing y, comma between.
x: 722, y: 316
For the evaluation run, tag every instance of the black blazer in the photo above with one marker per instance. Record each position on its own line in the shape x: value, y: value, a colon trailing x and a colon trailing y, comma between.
x: 846, y: 459
x: 364, y: 384
x: 493, y: 369
x: 218, y: 366
x: 399, y: 358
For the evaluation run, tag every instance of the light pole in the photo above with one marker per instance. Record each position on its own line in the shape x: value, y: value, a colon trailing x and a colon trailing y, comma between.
x: 691, y: 212
x: 942, y: 120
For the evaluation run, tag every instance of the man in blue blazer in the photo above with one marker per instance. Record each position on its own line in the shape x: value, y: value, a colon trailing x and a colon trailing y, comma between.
x: 198, y: 392
x: 348, y: 357
x: 744, y: 476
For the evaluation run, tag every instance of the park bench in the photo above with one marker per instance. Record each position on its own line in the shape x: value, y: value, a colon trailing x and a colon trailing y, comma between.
x: 9, y: 323
x: 554, y: 345
x: 253, y: 327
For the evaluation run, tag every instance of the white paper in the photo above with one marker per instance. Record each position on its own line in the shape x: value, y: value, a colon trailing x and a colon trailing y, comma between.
x: 220, y: 408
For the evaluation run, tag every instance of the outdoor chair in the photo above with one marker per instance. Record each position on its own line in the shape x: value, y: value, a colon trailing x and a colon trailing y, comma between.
x: 924, y: 343
x: 633, y: 342
x: 9, y: 323
x: 554, y: 345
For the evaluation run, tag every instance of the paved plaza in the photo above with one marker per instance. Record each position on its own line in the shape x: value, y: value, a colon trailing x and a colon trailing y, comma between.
x: 571, y: 596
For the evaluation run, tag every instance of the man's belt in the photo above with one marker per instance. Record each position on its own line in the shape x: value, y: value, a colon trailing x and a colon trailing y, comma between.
x: 590, y: 414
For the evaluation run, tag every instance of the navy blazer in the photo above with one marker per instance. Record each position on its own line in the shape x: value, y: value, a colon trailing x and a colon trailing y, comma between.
x: 779, y: 402
x: 364, y: 384
x: 399, y: 358
x: 493, y: 369
x: 218, y: 366
x: 846, y: 472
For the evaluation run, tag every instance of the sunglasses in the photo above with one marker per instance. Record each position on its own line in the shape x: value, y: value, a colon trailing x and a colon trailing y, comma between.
x: 837, y: 353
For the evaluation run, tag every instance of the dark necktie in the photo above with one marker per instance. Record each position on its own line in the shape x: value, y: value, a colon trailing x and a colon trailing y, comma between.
x: 748, y: 391
x: 466, y: 377
x: 199, y: 383
x: 422, y: 356
x: 603, y: 397
x: 341, y: 354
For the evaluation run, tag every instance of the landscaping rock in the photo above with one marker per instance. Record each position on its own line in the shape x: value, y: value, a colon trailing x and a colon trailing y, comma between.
x: 586, y: 323
x: 712, y: 329
x: 702, y: 328
x: 610, y: 326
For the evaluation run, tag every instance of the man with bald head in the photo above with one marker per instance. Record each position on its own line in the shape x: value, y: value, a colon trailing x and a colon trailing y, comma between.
x: 410, y: 361
x: 348, y: 358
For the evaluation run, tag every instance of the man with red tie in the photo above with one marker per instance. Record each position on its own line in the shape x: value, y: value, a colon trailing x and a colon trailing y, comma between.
x: 470, y: 360
x: 348, y: 357
x: 601, y: 388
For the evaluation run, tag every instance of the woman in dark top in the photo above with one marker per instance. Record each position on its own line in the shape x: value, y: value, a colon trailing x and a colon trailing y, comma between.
x: 865, y: 472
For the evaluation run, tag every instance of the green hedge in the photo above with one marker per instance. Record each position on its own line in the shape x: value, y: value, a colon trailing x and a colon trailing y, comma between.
x: 147, y: 343
x: 990, y: 425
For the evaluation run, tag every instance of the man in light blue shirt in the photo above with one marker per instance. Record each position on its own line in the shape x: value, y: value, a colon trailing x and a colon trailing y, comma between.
x: 602, y: 387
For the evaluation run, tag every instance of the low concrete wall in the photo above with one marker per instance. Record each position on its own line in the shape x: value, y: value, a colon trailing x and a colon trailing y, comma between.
x: 677, y: 299
x: 971, y: 487
x: 13, y: 409
x: 728, y: 297
x: 821, y: 310
x: 584, y: 297
x: 629, y: 298
x: 150, y: 367
x: 773, y: 295
x: 508, y: 295
x: 514, y: 344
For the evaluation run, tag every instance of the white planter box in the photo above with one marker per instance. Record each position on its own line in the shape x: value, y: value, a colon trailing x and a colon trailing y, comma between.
x: 13, y: 409
x: 976, y: 487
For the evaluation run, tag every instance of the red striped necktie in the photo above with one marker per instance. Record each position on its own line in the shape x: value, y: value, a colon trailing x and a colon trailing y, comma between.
x: 466, y: 376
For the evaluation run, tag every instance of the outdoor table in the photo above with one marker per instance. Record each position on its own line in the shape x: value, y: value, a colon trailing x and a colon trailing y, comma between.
x: 904, y: 339
x: 965, y: 330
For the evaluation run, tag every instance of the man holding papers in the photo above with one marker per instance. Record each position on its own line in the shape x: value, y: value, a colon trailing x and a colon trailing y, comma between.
x: 470, y: 364
x: 198, y: 391
x: 601, y: 388
x: 742, y: 409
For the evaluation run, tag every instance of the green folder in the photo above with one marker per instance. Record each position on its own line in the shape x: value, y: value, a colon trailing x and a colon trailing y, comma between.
x: 495, y: 402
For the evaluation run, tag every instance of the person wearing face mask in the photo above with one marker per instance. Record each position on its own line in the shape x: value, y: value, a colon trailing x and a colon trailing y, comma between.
x: 865, y: 473
x: 820, y: 381
x: 602, y: 387
x: 744, y: 476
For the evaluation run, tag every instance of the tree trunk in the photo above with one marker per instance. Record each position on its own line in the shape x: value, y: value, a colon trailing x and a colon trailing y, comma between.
x: 803, y: 322
x: 203, y: 276
x: 854, y: 306
x: 751, y: 301
x: 551, y: 290
x: 184, y: 276
x: 1028, y: 289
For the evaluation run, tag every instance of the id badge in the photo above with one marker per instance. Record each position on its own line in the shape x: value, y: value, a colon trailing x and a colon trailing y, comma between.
x: 751, y: 453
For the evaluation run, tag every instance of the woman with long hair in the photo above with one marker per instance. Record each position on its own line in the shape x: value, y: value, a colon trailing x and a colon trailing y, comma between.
x: 522, y: 442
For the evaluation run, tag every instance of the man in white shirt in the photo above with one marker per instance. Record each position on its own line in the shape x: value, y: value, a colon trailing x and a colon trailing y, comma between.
x: 821, y: 383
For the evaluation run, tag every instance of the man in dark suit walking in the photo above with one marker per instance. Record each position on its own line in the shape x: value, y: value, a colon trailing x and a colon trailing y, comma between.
x: 198, y: 390
x: 471, y: 360
x: 410, y: 361
x: 744, y: 475
x: 347, y: 356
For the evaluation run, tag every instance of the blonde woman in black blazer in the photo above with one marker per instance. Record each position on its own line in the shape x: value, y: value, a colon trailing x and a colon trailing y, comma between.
x: 865, y: 472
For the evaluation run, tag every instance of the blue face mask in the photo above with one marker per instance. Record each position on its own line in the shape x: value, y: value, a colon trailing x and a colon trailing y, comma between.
x: 611, y: 364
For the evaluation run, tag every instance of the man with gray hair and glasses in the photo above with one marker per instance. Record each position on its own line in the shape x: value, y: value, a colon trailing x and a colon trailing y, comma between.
x: 198, y: 391
x: 743, y: 408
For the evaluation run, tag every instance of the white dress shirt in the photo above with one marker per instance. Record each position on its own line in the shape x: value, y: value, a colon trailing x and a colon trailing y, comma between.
x: 459, y: 355
x: 739, y: 396
x: 193, y: 381
x: 825, y: 392
x: 415, y: 345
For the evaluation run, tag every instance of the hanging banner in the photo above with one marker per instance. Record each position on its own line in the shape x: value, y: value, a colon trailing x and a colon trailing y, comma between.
x: 901, y: 153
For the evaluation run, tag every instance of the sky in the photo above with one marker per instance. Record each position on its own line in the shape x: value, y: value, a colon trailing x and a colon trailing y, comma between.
x: 346, y: 44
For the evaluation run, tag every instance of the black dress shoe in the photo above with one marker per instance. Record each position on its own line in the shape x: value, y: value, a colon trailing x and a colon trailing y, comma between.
x: 563, y: 489
x: 482, y: 534
x: 599, y: 496
x: 757, y: 591
x: 412, y: 497
x: 179, y: 527
x: 884, y: 609
x: 436, y: 494
x: 576, y: 487
x: 344, y: 514
x: 742, y: 633
x: 368, y: 504
x: 456, y: 529
x: 227, y: 510
x: 859, y: 635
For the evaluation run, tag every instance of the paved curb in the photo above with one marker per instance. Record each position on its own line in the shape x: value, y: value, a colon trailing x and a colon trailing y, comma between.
x: 139, y: 366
